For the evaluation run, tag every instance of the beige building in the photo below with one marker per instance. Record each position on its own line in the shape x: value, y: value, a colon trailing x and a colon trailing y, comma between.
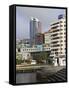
x: 47, y: 39
x: 58, y: 41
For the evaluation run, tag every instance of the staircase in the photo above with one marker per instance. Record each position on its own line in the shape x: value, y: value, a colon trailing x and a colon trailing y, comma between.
x: 59, y: 76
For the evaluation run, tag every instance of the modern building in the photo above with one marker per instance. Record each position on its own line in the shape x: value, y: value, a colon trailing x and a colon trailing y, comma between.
x: 39, y: 39
x: 58, y: 41
x: 25, y: 51
x: 47, y: 39
x: 35, y: 28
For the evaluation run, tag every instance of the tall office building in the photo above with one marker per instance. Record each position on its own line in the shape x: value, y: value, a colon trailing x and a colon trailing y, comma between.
x: 58, y: 41
x: 35, y: 28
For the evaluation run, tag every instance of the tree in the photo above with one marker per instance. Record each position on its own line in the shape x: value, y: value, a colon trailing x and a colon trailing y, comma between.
x: 40, y: 56
x: 18, y: 61
x: 50, y: 61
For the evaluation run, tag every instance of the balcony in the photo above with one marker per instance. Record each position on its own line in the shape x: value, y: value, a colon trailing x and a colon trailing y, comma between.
x: 55, y: 40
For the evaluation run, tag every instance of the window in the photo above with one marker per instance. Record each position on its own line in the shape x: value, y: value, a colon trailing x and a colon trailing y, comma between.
x: 64, y: 40
x: 60, y: 52
x: 65, y: 48
x: 55, y: 45
x: 55, y: 30
x: 61, y: 21
x: 54, y: 34
x: 27, y: 54
x: 64, y: 25
x: 54, y: 27
x: 55, y: 38
x: 64, y: 21
x: 61, y: 44
x: 61, y: 49
x: 64, y: 32
x: 54, y: 49
x: 56, y: 53
x: 54, y: 42
x: 18, y: 49
x: 61, y: 41
x: 55, y: 23
x: 61, y: 33
x: 61, y: 37
x: 61, y: 25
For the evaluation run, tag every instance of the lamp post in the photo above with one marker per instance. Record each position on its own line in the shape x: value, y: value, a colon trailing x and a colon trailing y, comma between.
x: 57, y: 58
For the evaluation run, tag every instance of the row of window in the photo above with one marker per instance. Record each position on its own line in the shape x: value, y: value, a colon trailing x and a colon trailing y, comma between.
x: 57, y: 34
x: 19, y: 50
x: 54, y: 34
x: 56, y: 45
x: 58, y: 49
x: 53, y: 42
x: 62, y: 40
x: 54, y: 27
x: 58, y: 23
x: 30, y: 49
x: 55, y: 30
x: 61, y: 44
x: 55, y: 23
x: 57, y: 53
x: 55, y: 38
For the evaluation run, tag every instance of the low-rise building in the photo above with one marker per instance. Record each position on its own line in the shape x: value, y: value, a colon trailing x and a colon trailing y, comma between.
x: 26, y: 50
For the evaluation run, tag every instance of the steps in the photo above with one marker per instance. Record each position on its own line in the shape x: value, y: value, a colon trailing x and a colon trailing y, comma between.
x: 59, y: 76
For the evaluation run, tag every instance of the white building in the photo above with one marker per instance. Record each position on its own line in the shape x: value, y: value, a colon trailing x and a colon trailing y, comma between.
x: 58, y: 41
x: 25, y: 50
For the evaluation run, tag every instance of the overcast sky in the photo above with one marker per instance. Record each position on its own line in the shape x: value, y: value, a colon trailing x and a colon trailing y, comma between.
x: 24, y: 14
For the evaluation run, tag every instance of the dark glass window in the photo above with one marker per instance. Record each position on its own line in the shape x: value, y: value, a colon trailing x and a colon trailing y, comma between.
x: 54, y: 27
x: 55, y: 23
x: 18, y: 49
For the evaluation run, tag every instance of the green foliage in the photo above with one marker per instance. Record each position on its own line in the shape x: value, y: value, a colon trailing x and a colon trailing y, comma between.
x: 50, y: 61
x: 39, y: 57
x: 18, y: 56
x: 19, y: 61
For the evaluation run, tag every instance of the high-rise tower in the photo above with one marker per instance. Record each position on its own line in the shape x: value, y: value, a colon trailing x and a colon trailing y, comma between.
x: 35, y: 28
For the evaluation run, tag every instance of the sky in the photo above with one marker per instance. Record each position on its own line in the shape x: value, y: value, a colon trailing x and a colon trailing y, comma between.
x: 45, y: 15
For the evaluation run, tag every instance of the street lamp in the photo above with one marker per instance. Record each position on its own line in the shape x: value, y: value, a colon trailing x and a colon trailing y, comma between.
x: 56, y: 53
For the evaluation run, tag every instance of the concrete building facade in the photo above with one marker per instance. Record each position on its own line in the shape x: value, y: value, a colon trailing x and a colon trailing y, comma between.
x: 26, y: 50
x: 58, y: 41
x: 47, y: 39
x: 39, y: 39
